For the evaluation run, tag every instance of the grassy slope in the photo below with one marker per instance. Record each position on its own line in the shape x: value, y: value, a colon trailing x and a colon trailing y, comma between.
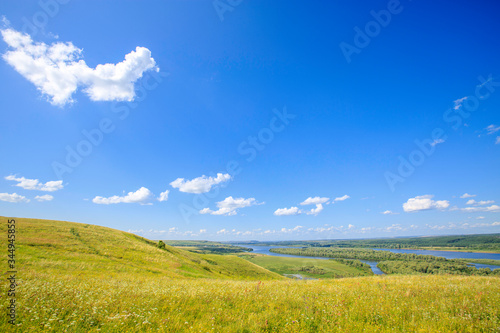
x: 285, y: 265
x: 106, y: 280
x: 62, y: 248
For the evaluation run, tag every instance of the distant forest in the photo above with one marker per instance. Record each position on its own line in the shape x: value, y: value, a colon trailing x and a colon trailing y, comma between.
x: 486, y: 242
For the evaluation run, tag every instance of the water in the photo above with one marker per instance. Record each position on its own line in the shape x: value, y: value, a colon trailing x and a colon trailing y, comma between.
x: 373, y: 264
x: 265, y: 250
x: 453, y: 255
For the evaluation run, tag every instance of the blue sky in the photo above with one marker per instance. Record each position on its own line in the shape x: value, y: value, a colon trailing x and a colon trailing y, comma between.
x: 239, y: 120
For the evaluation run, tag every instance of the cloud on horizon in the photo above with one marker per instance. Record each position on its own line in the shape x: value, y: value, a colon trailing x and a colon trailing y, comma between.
x: 35, y: 184
x: 140, y: 196
x: 424, y: 202
x: 201, y: 184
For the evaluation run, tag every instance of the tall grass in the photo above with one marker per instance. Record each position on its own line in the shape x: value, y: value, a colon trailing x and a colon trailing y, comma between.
x: 134, y: 303
x: 82, y: 278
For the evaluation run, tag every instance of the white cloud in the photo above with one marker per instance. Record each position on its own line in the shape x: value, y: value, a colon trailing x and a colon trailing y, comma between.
x: 163, y: 196
x: 467, y: 195
x: 288, y: 231
x: 424, y: 202
x: 492, y: 208
x: 46, y: 197
x: 14, y: 197
x: 141, y: 196
x: 388, y: 212
x: 287, y: 211
x: 315, y: 211
x: 230, y: 205
x: 342, y: 198
x: 479, y: 203
x: 201, y: 184
x: 35, y: 184
x: 58, y: 69
x: 314, y: 201
x: 203, y: 231
x: 436, y: 142
x: 492, y: 129
x: 458, y: 103
x: 498, y: 140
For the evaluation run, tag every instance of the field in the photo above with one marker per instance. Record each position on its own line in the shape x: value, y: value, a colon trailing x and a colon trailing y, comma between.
x: 312, y: 268
x: 84, y: 278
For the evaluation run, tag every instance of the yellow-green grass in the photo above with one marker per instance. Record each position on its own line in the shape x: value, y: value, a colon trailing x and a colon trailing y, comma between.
x: 66, y: 248
x: 136, y: 303
x: 287, y: 265
x: 111, y: 281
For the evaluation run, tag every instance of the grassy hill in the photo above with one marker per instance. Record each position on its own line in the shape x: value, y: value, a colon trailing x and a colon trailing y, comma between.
x: 84, y: 278
x: 62, y: 248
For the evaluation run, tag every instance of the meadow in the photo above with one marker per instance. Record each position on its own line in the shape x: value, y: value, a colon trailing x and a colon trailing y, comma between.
x: 311, y: 268
x: 83, y: 278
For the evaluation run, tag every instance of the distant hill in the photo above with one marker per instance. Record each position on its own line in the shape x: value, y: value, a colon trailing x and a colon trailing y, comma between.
x: 68, y: 248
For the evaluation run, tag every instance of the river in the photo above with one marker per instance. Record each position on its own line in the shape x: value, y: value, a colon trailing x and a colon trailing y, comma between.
x: 373, y: 264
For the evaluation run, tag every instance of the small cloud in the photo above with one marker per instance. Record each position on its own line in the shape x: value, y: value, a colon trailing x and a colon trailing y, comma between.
x: 458, y: 103
x: 467, y: 195
x: 479, y: 217
x: 492, y: 208
x: 287, y: 211
x: 35, y: 184
x: 424, y: 202
x: 388, y: 212
x: 498, y: 140
x: 230, y: 205
x: 315, y: 211
x: 436, y: 142
x: 141, y: 196
x: 163, y: 196
x: 201, y: 184
x: 492, y: 129
x: 479, y: 203
x: 342, y: 198
x: 14, y: 197
x: 45, y: 197
x: 314, y: 201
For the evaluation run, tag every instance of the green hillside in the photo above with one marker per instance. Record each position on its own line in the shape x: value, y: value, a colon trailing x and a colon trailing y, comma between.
x: 68, y: 248
x: 83, y: 278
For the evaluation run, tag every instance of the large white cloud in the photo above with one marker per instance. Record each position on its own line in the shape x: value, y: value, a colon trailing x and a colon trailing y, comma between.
x: 57, y: 70
x: 14, y: 197
x: 424, y: 202
x: 201, y: 184
x: 35, y: 184
x: 230, y: 205
x: 141, y: 196
x: 287, y: 211
x: 314, y: 201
